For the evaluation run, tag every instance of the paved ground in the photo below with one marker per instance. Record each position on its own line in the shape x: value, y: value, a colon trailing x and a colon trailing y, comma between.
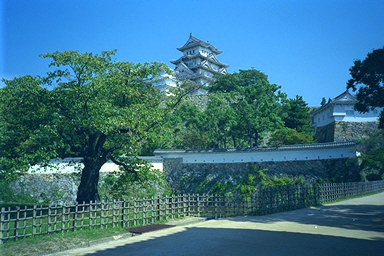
x: 353, y: 227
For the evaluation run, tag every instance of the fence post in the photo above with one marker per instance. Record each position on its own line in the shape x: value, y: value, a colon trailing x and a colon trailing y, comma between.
x: 16, y: 231
x: 102, y: 214
x: 188, y: 205
x: 75, y: 217
x: 158, y: 208
x: 123, y: 214
x: 34, y: 221
x: 89, y: 214
x: 198, y: 204
x: 2, y: 219
x: 316, y: 194
x: 49, y: 219
x: 114, y: 219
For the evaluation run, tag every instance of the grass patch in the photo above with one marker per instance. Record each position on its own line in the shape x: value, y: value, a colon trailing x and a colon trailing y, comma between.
x: 45, y: 244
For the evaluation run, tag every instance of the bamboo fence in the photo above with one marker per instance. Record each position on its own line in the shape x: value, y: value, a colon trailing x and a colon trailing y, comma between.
x: 27, y: 221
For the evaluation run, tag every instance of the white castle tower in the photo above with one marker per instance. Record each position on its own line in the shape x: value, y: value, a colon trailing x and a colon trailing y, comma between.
x: 199, y: 62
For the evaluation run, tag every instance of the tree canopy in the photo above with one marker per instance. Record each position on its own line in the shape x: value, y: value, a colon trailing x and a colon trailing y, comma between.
x: 242, y: 110
x: 95, y: 108
x: 288, y: 136
x: 255, y: 102
x: 368, y: 80
x: 26, y: 135
x: 372, y: 156
x: 296, y: 115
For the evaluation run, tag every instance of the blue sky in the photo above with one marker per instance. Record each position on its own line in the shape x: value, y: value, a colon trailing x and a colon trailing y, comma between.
x: 307, y: 47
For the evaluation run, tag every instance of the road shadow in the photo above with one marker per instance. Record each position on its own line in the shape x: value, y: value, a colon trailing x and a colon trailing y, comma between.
x: 354, y: 217
x: 224, y: 241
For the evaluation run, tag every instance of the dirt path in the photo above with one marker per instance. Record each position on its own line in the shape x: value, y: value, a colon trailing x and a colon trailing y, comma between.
x: 352, y: 227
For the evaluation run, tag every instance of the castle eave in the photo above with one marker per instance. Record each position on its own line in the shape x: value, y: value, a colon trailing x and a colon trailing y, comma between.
x: 194, y: 41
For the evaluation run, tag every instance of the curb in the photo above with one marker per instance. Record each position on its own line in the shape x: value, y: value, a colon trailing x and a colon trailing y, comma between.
x: 180, y: 222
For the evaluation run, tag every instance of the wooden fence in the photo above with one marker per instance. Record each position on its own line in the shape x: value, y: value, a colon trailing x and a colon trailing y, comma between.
x: 20, y: 222
x: 329, y: 192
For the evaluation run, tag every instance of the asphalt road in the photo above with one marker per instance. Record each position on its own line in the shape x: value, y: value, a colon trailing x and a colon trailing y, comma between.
x: 352, y: 227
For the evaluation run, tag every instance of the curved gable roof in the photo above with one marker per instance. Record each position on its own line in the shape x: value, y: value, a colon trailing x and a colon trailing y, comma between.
x: 194, y: 41
x: 346, y: 98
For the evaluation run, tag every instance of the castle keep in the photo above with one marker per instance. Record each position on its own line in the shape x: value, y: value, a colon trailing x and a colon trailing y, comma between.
x: 199, y: 62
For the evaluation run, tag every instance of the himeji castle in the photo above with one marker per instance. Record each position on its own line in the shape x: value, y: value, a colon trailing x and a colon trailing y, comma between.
x: 199, y: 64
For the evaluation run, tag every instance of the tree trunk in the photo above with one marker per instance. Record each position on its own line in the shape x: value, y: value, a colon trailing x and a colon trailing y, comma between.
x: 234, y: 141
x: 88, y: 190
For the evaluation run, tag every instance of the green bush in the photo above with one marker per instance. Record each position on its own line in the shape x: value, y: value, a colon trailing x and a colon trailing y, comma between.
x: 9, y: 198
x: 372, y: 156
x: 288, y: 136
x: 137, y: 179
x: 244, y: 185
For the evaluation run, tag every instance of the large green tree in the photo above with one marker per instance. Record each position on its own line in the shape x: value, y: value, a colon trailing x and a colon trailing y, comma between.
x: 368, y: 80
x: 95, y: 107
x: 256, y: 104
x: 296, y: 115
x: 26, y: 135
x: 372, y: 156
x: 190, y: 129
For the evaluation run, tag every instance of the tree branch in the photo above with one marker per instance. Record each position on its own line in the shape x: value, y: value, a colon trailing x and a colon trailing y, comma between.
x: 124, y: 165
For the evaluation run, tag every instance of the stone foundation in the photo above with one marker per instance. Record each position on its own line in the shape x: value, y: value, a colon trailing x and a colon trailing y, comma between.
x: 345, y: 131
x: 52, y: 187
x: 188, y: 178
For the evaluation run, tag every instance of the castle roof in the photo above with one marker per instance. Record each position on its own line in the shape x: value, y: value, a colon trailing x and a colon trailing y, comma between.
x: 206, y: 67
x: 345, y: 98
x: 185, y: 67
x: 202, y: 56
x: 194, y: 41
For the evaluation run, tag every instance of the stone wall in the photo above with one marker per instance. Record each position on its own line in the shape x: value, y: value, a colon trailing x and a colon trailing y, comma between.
x: 345, y: 131
x: 192, y: 171
x: 325, y: 133
x: 189, y: 177
x: 53, y: 187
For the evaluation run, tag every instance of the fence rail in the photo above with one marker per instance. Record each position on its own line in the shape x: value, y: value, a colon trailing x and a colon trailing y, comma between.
x: 20, y: 222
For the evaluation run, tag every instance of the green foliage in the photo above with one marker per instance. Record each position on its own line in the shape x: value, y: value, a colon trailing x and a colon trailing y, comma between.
x: 296, y: 115
x: 257, y: 178
x: 287, y: 136
x: 126, y: 184
x: 368, y: 79
x: 26, y: 134
x: 249, y: 184
x: 256, y: 104
x: 57, y: 242
x: 97, y: 108
x: 241, y: 107
x: 190, y: 127
x: 323, y: 101
x: 243, y: 185
x: 372, y: 157
x: 9, y: 197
